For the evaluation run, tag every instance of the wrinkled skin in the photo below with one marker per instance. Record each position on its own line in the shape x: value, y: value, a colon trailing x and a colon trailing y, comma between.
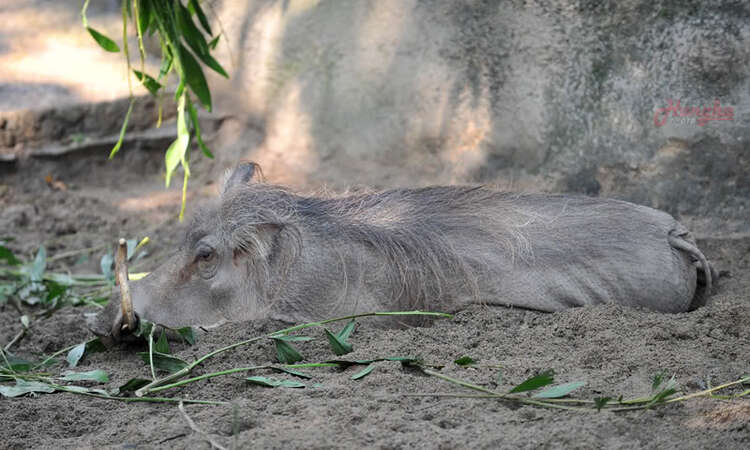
x: 261, y: 251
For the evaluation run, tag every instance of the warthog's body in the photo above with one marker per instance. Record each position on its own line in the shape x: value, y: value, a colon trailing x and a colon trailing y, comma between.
x: 262, y: 251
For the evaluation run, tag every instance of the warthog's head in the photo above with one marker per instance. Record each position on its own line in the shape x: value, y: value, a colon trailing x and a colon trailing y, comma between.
x: 218, y: 273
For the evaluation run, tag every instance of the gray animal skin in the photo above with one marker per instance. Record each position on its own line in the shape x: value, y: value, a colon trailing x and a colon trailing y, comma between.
x: 262, y: 251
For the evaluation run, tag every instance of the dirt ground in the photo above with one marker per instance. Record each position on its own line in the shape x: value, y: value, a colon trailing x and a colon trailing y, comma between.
x: 614, y: 350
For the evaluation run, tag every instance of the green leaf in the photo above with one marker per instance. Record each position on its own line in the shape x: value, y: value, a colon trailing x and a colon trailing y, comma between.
x: 275, y: 382
x: 54, y: 290
x: 196, y: 8
x: 124, y: 127
x: 465, y: 361
x: 364, y: 372
x: 285, y: 352
x: 669, y: 389
x: 187, y: 334
x: 176, y: 151
x: 163, y: 361
x: 7, y: 256
x: 144, y: 328
x: 346, y: 331
x: 103, y: 41
x: 131, y: 244
x: 339, y: 346
x: 16, y: 364
x: 292, y: 372
x: 40, y: 263
x: 144, y: 16
x: 197, y: 42
x: 95, y: 346
x: 656, y: 381
x: 197, y: 128
x: 75, y: 354
x: 214, y: 42
x: 148, y: 82
x: 601, y: 402
x: 561, y: 390
x: 290, y: 338
x: 133, y: 385
x: 543, y: 379
x: 407, y: 360
x: 194, y: 77
x: 98, y: 375
x: 25, y: 387
x: 105, y: 264
x: 162, y: 346
x: 166, y: 63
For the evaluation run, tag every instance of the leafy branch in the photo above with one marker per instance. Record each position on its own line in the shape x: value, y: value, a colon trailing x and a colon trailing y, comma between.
x: 185, y: 48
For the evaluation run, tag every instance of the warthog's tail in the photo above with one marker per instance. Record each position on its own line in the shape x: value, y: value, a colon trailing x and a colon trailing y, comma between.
x: 681, y: 240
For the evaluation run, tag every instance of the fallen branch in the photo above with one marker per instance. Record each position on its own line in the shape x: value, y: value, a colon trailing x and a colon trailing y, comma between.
x: 195, y: 428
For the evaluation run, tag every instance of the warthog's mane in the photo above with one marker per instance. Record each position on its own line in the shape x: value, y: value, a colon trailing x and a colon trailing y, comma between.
x: 420, y: 235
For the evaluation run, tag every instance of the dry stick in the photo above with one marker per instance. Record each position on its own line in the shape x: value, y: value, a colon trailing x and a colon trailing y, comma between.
x: 195, y: 428
x: 63, y: 255
x: 17, y: 338
x: 121, y: 273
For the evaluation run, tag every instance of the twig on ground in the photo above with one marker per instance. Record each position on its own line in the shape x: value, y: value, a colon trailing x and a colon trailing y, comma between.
x: 195, y: 428
x: 15, y: 339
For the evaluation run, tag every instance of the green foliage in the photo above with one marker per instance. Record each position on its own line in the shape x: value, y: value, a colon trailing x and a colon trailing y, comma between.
x: 465, y: 361
x: 185, y: 49
x: 97, y: 375
x: 7, y: 256
x: 274, y: 382
x: 339, y: 342
x: 31, y: 284
x: 187, y: 334
x: 163, y: 361
x: 543, y: 379
x: 24, y: 387
x: 364, y: 372
x: 132, y: 385
x: 561, y: 390
x: 162, y: 346
x: 296, y: 373
x: 75, y: 354
x: 286, y: 353
x: 103, y: 41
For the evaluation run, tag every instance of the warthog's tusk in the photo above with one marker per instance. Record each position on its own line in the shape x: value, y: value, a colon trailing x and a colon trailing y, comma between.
x: 121, y: 275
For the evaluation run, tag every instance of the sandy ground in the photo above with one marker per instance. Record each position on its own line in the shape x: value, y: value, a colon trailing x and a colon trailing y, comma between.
x: 614, y: 350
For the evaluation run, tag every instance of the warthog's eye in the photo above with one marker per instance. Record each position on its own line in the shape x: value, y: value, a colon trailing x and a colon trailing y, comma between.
x: 206, y: 258
x: 204, y: 254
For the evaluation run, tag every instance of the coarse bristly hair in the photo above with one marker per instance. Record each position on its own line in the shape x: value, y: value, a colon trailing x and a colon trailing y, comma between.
x: 411, y: 230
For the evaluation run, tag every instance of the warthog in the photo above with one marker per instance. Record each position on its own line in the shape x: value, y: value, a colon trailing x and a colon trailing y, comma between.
x: 262, y: 251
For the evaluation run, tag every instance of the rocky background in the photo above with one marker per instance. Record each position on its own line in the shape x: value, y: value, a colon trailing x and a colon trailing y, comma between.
x: 532, y: 95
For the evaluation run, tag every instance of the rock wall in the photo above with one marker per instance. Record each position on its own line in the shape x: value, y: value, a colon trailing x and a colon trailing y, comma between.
x: 552, y: 95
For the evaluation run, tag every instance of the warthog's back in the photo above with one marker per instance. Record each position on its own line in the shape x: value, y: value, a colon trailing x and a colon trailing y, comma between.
x: 575, y: 251
x: 444, y: 247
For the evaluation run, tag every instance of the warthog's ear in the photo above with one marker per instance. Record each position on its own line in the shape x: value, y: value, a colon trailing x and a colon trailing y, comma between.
x: 243, y: 174
x: 258, y: 240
